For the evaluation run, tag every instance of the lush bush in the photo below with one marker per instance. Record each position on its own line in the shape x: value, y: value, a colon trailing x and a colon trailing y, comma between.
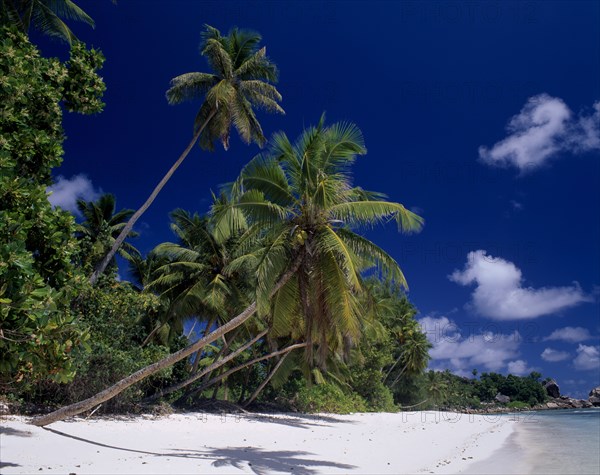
x: 40, y: 336
x: 367, y: 380
x: 328, y: 397
x: 112, y: 314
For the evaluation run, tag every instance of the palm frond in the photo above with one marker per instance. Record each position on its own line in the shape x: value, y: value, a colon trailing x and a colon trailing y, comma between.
x: 258, y: 66
x: 50, y: 24
x: 372, y: 253
x: 218, y: 57
x: 190, y: 86
x: 264, y: 174
x: 360, y: 213
x: 285, y: 309
x: 69, y: 10
x: 329, y: 242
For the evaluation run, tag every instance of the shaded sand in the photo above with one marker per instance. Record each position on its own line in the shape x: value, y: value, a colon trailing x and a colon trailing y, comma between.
x: 418, y: 442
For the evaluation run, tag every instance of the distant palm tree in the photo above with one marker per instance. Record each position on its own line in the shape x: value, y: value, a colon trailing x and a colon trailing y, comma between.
x: 100, y: 228
x: 437, y: 388
x: 241, y: 79
x: 45, y: 15
x: 192, y: 276
x: 415, y: 352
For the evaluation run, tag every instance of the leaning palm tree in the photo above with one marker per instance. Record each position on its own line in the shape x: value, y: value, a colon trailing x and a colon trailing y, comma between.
x: 45, y: 15
x: 242, y: 78
x: 299, y: 201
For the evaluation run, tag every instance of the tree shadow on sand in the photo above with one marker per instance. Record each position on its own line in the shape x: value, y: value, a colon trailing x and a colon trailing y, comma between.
x: 262, y: 461
x: 259, y: 460
x: 303, y: 421
x: 15, y: 432
x: 8, y: 464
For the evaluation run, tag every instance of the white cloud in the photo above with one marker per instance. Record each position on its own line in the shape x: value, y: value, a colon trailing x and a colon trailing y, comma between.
x: 65, y: 192
x: 461, y: 353
x: 554, y: 355
x: 499, y: 293
x: 518, y: 368
x: 544, y: 127
x: 588, y: 357
x: 569, y: 334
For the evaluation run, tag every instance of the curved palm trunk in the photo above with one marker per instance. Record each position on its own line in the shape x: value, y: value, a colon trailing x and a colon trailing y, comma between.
x: 218, y: 378
x: 224, y: 349
x: 129, y: 226
x: 151, y: 334
x: 212, y: 367
x: 265, y: 382
x: 399, y: 376
x: 389, y: 371
x: 170, y: 360
x: 199, y: 352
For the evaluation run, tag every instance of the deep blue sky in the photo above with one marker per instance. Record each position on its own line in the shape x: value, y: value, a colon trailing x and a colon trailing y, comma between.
x: 428, y: 83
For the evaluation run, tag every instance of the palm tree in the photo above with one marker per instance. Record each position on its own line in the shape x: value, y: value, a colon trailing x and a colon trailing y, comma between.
x: 436, y: 387
x: 100, y: 228
x: 242, y: 78
x: 299, y: 200
x: 299, y: 197
x: 45, y: 15
x: 415, y: 352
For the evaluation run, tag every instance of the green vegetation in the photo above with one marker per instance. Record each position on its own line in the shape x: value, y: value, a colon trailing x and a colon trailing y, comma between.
x: 242, y: 77
x: 45, y: 15
x: 288, y: 303
x: 444, y: 389
x: 40, y: 335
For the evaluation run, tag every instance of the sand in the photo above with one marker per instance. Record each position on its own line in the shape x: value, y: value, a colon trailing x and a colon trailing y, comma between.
x: 417, y: 442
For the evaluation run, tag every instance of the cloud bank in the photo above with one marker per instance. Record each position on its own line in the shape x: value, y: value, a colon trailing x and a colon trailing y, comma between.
x: 553, y: 356
x: 65, y: 192
x: 461, y: 352
x: 518, y: 368
x: 569, y: 334
x: 588, y: 357
x: 500, y: 295
x: 544, y: 128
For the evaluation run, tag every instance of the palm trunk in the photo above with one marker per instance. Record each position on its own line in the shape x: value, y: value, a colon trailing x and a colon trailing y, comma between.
x: 212, y: 367
x: 129, y: 226
x: 151, y: 334
x: 387, y: 375
x: 265, y: 382
x: 223, y: 350
x: 399, y: 376
x: 199, y: 352
x: 170, y: 360
x: 218, y: 378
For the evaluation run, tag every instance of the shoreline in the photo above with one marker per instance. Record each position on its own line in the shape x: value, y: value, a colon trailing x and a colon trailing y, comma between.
x: 409, y: 442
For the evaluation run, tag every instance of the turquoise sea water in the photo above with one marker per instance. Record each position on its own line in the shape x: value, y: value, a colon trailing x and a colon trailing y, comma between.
x: 548, y: 442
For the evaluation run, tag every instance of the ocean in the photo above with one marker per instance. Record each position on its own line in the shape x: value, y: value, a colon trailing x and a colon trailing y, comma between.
x: 547, y: 442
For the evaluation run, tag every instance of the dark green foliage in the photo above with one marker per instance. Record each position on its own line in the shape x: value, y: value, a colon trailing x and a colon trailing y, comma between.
x: 99, y: 230
x: 39, y: 334
x: 45, y: 15
x: 112, y: 313
x: 328, y: 397
x: 83, y: 88
x: 459, y: 392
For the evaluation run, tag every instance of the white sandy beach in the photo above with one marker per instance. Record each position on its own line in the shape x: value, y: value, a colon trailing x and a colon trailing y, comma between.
x: 419, y: 442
